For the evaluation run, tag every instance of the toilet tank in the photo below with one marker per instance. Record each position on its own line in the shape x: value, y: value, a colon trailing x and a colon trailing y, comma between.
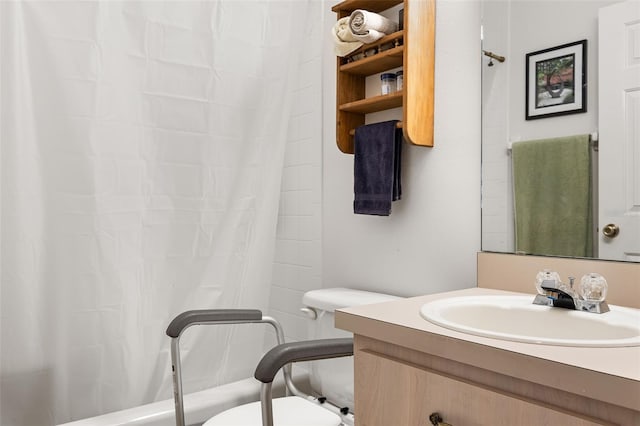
x: 334, y: 378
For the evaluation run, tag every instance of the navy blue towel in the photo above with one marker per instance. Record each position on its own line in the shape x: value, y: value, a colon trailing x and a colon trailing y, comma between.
x: 377, y: 168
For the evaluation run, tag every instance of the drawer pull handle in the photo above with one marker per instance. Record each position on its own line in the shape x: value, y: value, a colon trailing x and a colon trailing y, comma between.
x: 436, y: 420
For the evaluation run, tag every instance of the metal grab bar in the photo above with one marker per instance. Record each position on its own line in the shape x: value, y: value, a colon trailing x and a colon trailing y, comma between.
x: 217, y: 317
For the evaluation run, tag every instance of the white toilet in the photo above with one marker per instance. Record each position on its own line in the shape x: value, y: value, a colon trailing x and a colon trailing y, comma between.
x: 332, y: 379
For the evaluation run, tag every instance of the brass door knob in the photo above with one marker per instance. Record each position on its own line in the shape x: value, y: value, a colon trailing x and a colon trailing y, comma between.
x: 611, y: 230
x: 436, y: 420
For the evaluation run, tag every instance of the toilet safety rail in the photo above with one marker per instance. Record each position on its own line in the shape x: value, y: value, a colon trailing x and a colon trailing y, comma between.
x: 285, y: 354
x: 279, y: 357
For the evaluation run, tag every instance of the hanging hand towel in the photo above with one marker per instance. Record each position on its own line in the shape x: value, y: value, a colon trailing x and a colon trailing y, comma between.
x: 368, y: 26
x: 552, y: 196
x: 344, y: 41
x: 377, y: 168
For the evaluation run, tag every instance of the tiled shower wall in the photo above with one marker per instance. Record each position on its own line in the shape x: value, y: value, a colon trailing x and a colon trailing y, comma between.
x: 297, y: 263
x: 497, y: 198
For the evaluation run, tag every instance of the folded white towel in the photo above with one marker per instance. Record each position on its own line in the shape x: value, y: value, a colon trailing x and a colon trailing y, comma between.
x: 368, y: 26
x: 370, y: 36
x: 344, y: 41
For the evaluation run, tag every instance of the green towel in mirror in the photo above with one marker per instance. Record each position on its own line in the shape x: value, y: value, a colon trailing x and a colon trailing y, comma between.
x: 553, y: 196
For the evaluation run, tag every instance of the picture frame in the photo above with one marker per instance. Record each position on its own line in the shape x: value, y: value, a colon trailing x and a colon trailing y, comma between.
x: 556, y: 81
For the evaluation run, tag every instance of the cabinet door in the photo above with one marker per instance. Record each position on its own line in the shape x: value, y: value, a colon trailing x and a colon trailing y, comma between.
x: 389, y: 392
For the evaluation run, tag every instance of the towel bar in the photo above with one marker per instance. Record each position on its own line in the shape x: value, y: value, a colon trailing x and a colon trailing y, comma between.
x: 593, y: 138
x: 352, y: 132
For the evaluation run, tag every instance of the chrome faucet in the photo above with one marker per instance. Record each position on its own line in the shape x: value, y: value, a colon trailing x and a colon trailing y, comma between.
x: 552, y: 292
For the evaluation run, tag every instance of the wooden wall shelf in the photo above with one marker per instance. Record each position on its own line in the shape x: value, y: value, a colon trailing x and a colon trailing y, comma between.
x: 414, y: 51
x: 388, y: 59
x: 374, y: 104
x: 370, y: 5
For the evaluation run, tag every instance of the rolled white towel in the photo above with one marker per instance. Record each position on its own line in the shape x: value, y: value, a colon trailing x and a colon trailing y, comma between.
x: 370, y: 36
x: 344, y: 41
x: 368, y: 26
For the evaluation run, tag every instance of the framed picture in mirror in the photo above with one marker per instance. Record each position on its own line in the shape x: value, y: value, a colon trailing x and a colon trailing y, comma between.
x: 556, y: 81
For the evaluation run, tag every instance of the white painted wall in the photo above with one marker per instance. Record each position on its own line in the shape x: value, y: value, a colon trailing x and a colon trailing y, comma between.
x: 429, y: 242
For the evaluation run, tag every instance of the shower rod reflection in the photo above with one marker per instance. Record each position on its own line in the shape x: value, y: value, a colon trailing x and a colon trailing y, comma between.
x: 493, y: 56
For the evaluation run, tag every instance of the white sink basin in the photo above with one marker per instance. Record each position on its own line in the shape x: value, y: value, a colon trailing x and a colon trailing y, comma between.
x: 516, y: 318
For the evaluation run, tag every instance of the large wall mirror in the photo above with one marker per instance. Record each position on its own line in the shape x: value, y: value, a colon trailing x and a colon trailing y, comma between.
x: 538, y: 56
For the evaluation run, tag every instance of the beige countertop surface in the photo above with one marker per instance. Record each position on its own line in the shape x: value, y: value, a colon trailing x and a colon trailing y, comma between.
x: 607, y: 374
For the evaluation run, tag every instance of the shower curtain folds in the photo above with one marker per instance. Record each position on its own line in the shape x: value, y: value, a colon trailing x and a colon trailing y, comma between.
x: 141, y: 167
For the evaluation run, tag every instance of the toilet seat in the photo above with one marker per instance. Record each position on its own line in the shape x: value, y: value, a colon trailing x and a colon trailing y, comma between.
x: 287, y: 411
x: 325, y: 343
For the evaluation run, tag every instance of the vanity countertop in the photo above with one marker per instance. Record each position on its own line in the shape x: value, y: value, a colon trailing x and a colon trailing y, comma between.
x: 606, y: 374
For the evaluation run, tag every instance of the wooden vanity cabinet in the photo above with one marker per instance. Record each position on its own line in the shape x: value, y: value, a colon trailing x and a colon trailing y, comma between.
x: 414, y: 50
x: 398, y: 386
x: 400, y: 393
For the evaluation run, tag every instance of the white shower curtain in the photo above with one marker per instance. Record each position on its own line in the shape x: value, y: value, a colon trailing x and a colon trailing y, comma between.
x: 142, y: 147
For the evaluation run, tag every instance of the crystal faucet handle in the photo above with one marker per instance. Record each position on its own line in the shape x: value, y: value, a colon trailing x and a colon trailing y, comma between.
x: 547, y: 278
x: 593, y: 287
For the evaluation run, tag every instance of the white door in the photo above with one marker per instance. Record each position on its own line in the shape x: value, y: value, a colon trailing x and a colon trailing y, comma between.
x: 619, y: 128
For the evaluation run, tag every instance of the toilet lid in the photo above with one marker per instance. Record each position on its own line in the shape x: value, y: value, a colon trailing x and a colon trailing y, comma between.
x: 288, y: 411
